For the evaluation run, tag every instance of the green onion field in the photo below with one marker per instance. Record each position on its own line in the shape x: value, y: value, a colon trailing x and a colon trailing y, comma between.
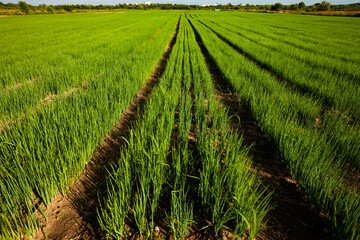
x: 179, y: 125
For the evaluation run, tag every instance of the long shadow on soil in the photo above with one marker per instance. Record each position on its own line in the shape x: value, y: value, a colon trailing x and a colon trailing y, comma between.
x: 292, y: 216
x: 85, y: 193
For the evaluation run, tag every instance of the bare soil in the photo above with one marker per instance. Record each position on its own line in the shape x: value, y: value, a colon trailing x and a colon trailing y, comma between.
x: 74, y: 216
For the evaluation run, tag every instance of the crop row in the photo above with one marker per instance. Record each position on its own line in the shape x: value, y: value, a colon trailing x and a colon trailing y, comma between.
x: 43, y: 154
x: 328, y: 39
x: 309, y: 153
x: 182, y: 153
x: 88, y: 64
x: 60, y: 45
x: 65, y: 85
x: 314, y: 74
x: 336, y: 123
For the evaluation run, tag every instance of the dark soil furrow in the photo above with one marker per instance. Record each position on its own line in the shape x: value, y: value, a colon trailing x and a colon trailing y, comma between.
x: 292, y: 216
x: 74, y: 216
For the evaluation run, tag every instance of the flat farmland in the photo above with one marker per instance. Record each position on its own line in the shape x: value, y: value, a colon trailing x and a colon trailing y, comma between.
x: 179, y: 125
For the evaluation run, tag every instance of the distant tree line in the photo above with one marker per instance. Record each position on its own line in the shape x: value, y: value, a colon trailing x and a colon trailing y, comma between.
x: 23, y: 8
x: 322, y: 6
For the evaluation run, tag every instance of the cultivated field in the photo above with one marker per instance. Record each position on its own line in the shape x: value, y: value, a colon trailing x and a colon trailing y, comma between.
x: 179, y: 125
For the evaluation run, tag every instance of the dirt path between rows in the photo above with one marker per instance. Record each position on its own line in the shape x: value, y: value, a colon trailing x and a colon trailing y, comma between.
x: 74, y: 216
x: 292, y: 216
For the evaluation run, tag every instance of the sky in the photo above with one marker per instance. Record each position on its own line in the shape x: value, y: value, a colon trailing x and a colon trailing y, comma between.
x: 199, y: 2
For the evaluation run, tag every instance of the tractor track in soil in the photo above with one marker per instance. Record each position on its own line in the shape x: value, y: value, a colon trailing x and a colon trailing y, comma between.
x: 74, y: 216
x: 292, y: 217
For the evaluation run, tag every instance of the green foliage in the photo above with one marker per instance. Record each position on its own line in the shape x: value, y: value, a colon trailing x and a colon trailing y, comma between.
x: 40, y: 72
x: 302, y: 5
x: 24, y: 7
x: 324, y: 6
x: 68, y: 8
x: 228, y: 190
x: 146, y: 153
x: 50, y: 9
x: 113, y: 214
x: 277, y: 6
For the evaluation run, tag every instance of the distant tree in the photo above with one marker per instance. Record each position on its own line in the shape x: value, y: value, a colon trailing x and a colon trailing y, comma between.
x: 294, y: 7
x: 50, y: 9
x: 277, y: 6
x: 268, y: 7
x: 302, y: 5
x: 324, y: 6
x: 24, y: 7
x: 42, y: 7
x: 139, y: 6
x: 68, y: 8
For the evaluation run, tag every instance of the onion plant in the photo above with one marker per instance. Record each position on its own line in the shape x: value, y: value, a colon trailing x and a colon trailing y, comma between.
x: 286, y: 116
x: 44, y: 153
